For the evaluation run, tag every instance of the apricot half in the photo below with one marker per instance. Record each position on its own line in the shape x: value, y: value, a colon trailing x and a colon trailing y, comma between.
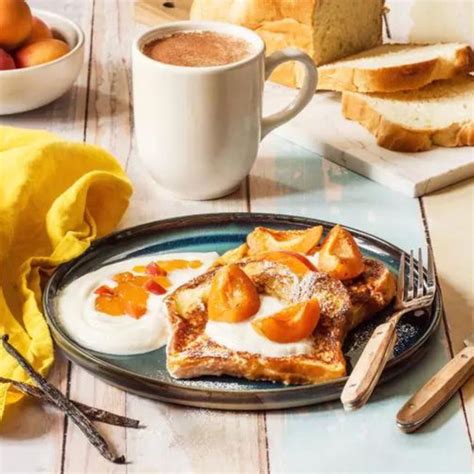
x: 233, y: 296
x: 302, y: 241
x: 296, y: 262
x: 15, y: 23
x: 292, y: 324
x: 340, y: 256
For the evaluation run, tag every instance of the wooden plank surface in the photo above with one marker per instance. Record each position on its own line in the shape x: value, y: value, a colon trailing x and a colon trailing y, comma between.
x: 31, y: 434
x: 291, y: 180
x: 450, y: 220
x: 153, y: 12
x: 176, y: 438
x: 31, y: 437
x: 285, y: 179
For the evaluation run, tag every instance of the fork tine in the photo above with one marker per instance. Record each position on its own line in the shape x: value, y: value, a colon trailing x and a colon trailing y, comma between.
x: 401, y: 278
x: 419, y: 288
x: 431, y: 271
x: 411, y: 278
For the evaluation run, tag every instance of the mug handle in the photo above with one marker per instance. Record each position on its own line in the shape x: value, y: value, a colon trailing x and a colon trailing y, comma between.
x: 304, y: 96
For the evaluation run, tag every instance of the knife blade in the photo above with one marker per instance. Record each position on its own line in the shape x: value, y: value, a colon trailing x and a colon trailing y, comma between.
x: 432, y: 396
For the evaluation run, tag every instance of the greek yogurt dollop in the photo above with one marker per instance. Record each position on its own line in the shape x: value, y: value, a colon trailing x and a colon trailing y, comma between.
x: 122, y: 335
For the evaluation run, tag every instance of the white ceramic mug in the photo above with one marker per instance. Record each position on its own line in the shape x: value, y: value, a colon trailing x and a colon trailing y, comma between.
x: 198, y: 128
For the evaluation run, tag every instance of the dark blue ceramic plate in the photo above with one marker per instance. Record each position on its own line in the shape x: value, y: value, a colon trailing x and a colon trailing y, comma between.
x: 146, y: 374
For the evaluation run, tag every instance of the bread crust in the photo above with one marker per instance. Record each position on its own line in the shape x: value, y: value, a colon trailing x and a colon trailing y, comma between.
x: 397, y: 137
x: 396, y: 78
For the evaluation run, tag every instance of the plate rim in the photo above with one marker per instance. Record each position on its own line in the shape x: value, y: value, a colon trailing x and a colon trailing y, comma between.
x: 180, y: 222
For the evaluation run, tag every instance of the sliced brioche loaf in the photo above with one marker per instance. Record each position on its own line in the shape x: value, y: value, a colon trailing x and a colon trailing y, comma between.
x: 441, y: 113
x: 326, y: 30
x: 396, y: 67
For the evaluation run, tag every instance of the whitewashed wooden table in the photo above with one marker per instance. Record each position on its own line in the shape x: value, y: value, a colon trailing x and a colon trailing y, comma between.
x: 285, y: 179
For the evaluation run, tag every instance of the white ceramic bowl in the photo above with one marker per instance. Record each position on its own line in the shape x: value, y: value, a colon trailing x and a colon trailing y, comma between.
x: 29, y: 88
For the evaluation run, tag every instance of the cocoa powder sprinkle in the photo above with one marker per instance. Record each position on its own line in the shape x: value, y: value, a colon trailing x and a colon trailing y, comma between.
x: 198, y: 49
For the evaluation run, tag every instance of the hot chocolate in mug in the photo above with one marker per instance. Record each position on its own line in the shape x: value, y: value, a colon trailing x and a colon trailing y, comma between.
x: 198, y: 128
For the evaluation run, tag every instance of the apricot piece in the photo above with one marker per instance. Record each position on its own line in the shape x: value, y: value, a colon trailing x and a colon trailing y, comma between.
x: 296, y: 262
x: 134, y: 297
x: 40, y: 52
x: 15, y: 23
x: 39, y: 31
x: 340, y: 256
x: 130, y: 296
x: 123, y: 277
x: 126, y: 298
x: 6, y: 61
x: 163, y: 281
x: 105, y: 290
x: 232, y: 256
x: 130, y: 292
x: 302, y: 241
x: 178, y: 264
x: 134, y: 309
x: 292, y: 324
x: 155, y: 269
x: 110, y: 305
x: 142, y: 280
x: 233, y: 297
x: 154, y: 287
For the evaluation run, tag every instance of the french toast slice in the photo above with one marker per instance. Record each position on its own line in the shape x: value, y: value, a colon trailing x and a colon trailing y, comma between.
x: 281, y: 264
x: 370, y: 292
x: 192, y: 353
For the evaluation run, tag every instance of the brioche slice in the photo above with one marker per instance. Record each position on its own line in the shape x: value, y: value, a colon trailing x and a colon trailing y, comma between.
x: 326, y: 30
x: 192, y: 352
x: 370, y: 292
x: 441, y: 113
x: 396, y: 67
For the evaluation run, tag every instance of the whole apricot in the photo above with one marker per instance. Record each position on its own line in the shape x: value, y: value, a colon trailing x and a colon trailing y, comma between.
x: 40, y: 52
x: 15, y: 23
x: 39, y: 31
x: 6, y: 61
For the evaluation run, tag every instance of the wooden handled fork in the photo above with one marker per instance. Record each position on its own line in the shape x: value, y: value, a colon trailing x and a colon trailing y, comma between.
x: 418, y: 294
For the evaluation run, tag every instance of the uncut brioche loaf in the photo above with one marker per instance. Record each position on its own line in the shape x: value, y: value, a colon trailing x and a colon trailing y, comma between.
x: 396, y: 67
x: 441, y: 113
x: 326, y: 30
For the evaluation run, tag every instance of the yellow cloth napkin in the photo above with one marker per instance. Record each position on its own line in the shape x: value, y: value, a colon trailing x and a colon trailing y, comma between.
x: 55, y: 198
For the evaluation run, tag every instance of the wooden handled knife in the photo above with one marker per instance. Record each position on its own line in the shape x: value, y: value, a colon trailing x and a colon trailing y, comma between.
x: 430, y: 398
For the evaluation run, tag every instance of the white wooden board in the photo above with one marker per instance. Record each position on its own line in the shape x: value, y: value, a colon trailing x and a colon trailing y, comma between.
x: 322, y: 129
